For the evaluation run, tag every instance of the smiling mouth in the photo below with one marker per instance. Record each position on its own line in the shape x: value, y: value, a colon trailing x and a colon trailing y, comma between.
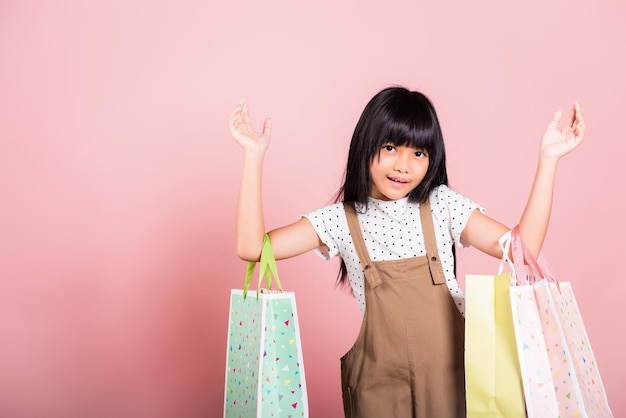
x: 398, y: 180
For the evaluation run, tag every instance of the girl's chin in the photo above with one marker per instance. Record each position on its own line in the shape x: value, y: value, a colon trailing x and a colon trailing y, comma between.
x: 389, y: 196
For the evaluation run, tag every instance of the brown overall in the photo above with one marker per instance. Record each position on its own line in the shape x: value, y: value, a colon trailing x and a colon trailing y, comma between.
x: 407, y: 360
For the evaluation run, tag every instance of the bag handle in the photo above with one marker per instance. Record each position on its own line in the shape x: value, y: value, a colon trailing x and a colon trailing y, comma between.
x: 267, y: 268
x: 522, y: 257
x: 505, y: 246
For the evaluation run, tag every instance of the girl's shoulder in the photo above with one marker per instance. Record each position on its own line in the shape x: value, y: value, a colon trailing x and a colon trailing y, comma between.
x: 443, y: 195
x: 445, y: 191
x: 328, y: 211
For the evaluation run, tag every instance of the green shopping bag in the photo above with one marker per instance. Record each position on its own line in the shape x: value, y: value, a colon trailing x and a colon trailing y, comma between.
x: 264, y: 367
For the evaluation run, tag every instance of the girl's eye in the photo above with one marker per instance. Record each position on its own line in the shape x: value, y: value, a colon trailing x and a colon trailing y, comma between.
x: 388, y: 147
x: 420, y: 154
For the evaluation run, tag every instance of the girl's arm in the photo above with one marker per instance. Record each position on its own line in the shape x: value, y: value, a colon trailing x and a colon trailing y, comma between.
x: 287, y: 241
x: 483, y: 232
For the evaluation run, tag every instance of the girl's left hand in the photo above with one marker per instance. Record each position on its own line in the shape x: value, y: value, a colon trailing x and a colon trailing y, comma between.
x: 558, y: 142
x: 244, y: 133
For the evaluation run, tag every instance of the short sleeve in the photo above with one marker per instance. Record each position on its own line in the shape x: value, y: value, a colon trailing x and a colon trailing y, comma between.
x: 328, y: 223
x: 456, y: 208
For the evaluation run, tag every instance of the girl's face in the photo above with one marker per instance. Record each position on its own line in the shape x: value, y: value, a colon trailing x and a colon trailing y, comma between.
x: 396, y: 171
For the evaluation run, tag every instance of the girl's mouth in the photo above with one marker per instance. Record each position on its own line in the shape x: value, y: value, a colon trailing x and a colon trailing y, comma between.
x: 398, y: 180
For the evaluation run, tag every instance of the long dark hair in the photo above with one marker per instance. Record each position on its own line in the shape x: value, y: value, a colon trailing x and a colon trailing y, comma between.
x: 401, y: 117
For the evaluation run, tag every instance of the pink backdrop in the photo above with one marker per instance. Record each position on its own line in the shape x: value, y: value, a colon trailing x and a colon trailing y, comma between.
x: 119, y: 178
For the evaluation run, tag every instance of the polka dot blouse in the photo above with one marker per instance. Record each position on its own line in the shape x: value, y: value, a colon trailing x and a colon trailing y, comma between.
x: 392, y: 230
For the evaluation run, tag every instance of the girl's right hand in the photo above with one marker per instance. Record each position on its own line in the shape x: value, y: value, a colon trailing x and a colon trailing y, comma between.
x: 243, y: 132
x: 558, y: 142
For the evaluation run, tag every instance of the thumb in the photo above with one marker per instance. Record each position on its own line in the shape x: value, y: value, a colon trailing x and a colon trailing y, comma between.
x: 267, y: 127
x: 555, y: 120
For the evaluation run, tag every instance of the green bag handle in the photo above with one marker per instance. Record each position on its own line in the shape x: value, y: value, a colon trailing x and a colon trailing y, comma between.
x: 267, y: 269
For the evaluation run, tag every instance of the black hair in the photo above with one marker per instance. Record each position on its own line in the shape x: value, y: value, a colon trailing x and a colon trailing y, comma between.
x: 400, y: 117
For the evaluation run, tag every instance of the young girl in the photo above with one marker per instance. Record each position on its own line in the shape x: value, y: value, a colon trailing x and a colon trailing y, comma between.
x: 395, y: 226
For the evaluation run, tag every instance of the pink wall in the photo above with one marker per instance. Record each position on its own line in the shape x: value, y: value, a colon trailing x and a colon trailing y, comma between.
x: 119, y: 179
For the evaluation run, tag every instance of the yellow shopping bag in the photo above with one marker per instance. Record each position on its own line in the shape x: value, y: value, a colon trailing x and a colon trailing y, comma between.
x: 492, y: 372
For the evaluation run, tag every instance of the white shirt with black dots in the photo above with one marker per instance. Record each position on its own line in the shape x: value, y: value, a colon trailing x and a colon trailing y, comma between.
x: 392, y: 230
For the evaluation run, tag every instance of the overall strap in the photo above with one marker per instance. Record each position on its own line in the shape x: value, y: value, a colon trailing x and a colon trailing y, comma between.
x: 430, y: 242
x: 369, y: 270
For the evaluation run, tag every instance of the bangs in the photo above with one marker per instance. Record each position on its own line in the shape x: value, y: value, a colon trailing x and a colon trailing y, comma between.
x: 409, y: 123
x: 411, y: 134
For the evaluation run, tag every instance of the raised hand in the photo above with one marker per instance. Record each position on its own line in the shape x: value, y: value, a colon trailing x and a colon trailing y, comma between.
x: 558, y: 142
x: 243, y: 132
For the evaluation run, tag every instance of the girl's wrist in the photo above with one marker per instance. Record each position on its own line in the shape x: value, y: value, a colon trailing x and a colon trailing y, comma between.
x: 254, y: 153
x: 547, y: 165
x: 548, y: 159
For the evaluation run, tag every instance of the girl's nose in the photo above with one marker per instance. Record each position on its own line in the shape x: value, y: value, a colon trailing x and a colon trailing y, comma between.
x: 401, y: 164
x: 400, y: 168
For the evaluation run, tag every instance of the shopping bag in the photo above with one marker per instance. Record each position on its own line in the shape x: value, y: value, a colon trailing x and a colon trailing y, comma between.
x: 559, y: 372
x: 264, y: 368
x: 492, y: 373
x: 579, y: 347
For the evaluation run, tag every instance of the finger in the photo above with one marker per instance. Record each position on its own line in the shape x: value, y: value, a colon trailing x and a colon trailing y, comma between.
x: 233, y: 120
x: 581, y: 123
x: 578, y: 125
x: 245, y: 113
x: 572, y: 116
x: 576, y: 140
x: 235, y: 114
x: 237, y: 111
x: 579, y: 117
x: 555, y: 120
x: 267, y: 127
x: 579, y: 131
